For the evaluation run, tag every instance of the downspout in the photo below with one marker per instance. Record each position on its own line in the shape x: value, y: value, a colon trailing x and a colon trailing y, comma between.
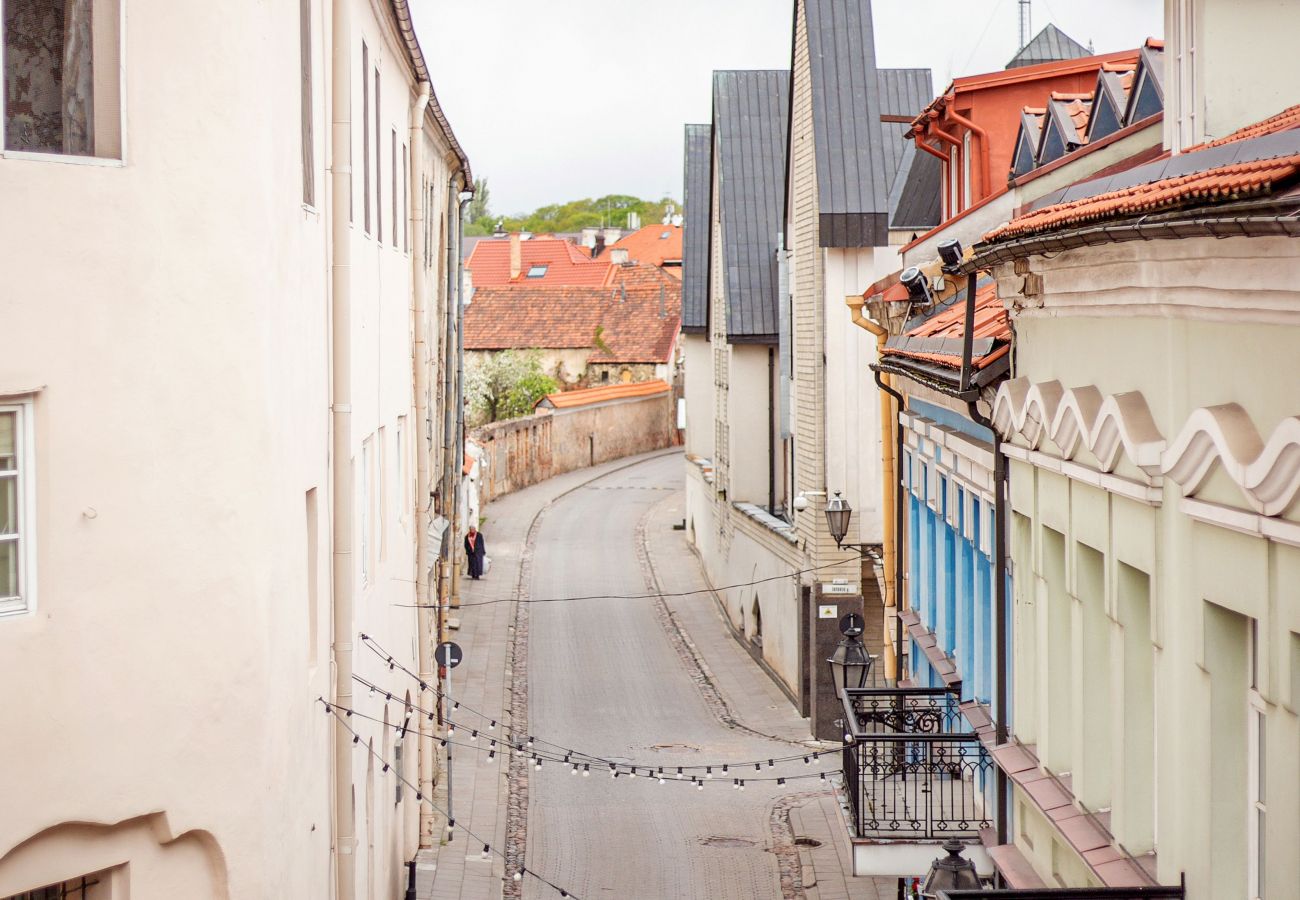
x: 341, y: 449
x: 892, y: 508
x: 771, y: 430
x: 985, y: 183
x: 425, y: 619
x: 458, y: 471
x: 446, y: 490
x: 1001, y: 651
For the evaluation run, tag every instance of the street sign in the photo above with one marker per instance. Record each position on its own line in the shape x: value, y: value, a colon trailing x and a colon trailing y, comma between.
x: 851, y: 625
x: 449, y: 655
x: 827, y: 611
x: 838, y: 586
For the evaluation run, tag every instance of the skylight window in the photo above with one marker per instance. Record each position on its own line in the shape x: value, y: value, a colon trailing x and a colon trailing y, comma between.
x: 665, y: 236
x: 537, y: 271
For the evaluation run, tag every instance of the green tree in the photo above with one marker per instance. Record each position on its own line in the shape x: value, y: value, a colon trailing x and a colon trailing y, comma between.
x: 507, y: 385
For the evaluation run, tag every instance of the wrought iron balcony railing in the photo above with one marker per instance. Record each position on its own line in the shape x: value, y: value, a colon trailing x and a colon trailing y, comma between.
x: 1155, y: 892
x: 912, y: 771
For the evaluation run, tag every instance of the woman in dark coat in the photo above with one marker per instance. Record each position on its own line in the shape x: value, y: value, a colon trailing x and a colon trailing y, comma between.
x: 475, y: 550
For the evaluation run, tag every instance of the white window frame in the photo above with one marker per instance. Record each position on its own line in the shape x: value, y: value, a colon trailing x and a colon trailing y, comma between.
x: 118, y: 161
x: 366, y: 477
x: 1256, y: 771
x: 25, y: 445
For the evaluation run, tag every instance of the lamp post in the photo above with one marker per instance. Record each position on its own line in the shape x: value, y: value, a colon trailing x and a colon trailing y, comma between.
x: 838, y: 514
x: 850, y: 664
x: 953, y: 872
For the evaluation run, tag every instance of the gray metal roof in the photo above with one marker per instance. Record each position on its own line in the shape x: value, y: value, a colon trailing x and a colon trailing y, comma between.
x: 750, y: 113
x: 903, y: 93
x: 915, y: 199
x: 1049, y: 45
x: 853, y: 166
x: 697, y: 196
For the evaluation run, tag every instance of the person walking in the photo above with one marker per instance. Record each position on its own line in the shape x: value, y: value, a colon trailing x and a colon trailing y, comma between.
x: 475, y: 550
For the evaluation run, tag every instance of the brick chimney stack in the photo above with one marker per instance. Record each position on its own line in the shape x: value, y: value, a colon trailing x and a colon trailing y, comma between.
x: 516, y: 256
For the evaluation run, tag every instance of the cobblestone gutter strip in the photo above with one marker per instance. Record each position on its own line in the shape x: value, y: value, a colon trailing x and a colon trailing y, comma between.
x: 788, y: 863
x: 696, y: 666
x: 516, y: 679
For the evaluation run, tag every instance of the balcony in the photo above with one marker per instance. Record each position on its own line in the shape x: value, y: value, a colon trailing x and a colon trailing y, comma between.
x: 916, y: 775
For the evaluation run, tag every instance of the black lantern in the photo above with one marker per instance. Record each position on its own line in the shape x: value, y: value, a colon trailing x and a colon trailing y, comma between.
x: 953, y: 872
x: 850, y: 663
x: 838, y: 513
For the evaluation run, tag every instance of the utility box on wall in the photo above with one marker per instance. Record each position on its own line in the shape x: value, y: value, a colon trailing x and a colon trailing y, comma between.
x: 827, y: 604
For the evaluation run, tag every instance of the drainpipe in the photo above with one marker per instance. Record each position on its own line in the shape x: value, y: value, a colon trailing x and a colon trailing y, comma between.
x: 985, y: 183
x: 341, y: 451
x: 1001, y: 651
x: 771, y: 429
x: 458, y: 471
x: 425, y: 620
x: 446, y: 490
x: 892, y: 505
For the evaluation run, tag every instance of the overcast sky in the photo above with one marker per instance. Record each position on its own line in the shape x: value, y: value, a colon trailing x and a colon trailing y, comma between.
x: 557, y: 100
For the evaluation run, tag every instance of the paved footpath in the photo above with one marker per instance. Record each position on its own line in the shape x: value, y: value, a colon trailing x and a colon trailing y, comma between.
x: 648, y: 681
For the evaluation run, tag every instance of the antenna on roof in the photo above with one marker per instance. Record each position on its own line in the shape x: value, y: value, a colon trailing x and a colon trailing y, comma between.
x: 1026, y: 23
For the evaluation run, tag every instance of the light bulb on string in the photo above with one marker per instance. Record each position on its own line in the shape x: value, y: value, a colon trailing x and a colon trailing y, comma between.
x: 771, y: 763
x: 487, y: 851
x: 708, y: 771
x: 699, y: 785
x: 586, y: 769
x: 661, y: 779
x: 518, y: 876
x: 679, y: 772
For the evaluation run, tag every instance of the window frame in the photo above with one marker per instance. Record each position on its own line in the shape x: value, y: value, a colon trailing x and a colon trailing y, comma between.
x: 24, y: 476
x: 119, y: 160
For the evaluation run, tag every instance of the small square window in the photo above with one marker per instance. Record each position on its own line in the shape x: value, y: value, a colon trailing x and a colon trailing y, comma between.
x: 537, y: 271
x: 665, y: 236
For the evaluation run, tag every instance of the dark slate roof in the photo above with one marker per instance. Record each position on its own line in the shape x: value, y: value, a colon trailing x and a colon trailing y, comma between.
x: 750, y: 112
x: 853, y: 167
x: 903, y: 92
x: 918, y: 191
x: 696, y: 192
x: 1049, y: 45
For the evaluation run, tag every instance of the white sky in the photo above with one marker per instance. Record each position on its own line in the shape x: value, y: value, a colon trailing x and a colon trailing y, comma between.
x: 556, y: 100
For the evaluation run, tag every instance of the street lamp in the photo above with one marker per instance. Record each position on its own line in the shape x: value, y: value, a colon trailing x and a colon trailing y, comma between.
x: 850, y: 663
x: 953, y: 872
x: 838, y: 514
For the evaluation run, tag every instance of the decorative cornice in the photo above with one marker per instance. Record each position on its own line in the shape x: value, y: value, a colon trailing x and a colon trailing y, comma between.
x: 1268, y: 473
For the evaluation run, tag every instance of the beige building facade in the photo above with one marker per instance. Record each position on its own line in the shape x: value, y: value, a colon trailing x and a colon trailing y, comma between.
x: 213, y: 388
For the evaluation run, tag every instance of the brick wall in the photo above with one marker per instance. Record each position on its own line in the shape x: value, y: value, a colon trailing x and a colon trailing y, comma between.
x: 520, y: 452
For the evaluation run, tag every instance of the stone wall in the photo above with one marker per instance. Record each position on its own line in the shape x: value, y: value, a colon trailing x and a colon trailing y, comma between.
x: 520, y: 452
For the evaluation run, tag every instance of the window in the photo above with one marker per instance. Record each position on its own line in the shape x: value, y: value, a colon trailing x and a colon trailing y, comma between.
x: 308, y: 149
x: 665, y: 235
x: 1257, y: 754
x: 366, y: 492
x: 365, y: 129
x: 537, y: 271
x: 95, y: 886
x: 392, y: 175
x: 381, y: 494
x: 406, y: 201
x: 17, y: 586
x: 62, y: 90
x: 379, y: 143
x: 404, y: 488
x: 313, y: 572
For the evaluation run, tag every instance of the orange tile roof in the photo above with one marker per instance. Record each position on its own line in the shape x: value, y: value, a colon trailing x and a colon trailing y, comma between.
x: 991, y: 321
x: 620, y: 322
x: 1219, y: 184
x: 1235, y: 181
x: 1286, y: 119
x: 566, y: 263
x: 648, y: 245
x: 604, y: 394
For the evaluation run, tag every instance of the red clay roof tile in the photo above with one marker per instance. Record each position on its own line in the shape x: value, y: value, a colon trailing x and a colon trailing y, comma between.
x: 566, y: 263
x: 648, y: 245
x: 620, y: 323
x: 991, y: 321
x: 604, y: 394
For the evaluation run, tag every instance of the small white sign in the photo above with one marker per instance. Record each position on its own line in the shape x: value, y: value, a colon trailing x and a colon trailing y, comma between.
x: 839, y: 587
x: 825, y: 611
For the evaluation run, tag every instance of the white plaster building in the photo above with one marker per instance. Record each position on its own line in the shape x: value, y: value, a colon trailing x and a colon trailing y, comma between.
x: 214, y: 381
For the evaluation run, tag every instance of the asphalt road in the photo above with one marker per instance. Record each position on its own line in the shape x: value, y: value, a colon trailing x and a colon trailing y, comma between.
x: 605, y: 678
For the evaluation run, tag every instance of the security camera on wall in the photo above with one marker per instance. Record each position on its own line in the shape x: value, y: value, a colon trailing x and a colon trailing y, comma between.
x: 800, y: 503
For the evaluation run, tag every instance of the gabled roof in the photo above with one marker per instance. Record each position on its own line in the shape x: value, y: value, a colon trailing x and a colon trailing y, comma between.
x: 1253, y: 161
x: 1024, y: 156
x: 566, y: 263
x: 1109, y: 100
x: 652, y: 244
x: 633, y: 320
x: 1049, y: 45
x: 1065, y: 126
x: 603, y: 394
x: 854, y: 172
x: 914, y: 178
x: 750, y: 112
x: 1147, y: 96
x: 698, y: 199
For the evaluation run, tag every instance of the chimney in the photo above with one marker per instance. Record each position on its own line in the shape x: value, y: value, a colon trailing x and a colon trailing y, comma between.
x: 618, y: 256
x: 599, y: 247
x: 663, y: 310
x: 516, y: 257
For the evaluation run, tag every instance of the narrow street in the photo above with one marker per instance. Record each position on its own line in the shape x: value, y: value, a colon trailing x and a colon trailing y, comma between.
x: 606, y: 677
